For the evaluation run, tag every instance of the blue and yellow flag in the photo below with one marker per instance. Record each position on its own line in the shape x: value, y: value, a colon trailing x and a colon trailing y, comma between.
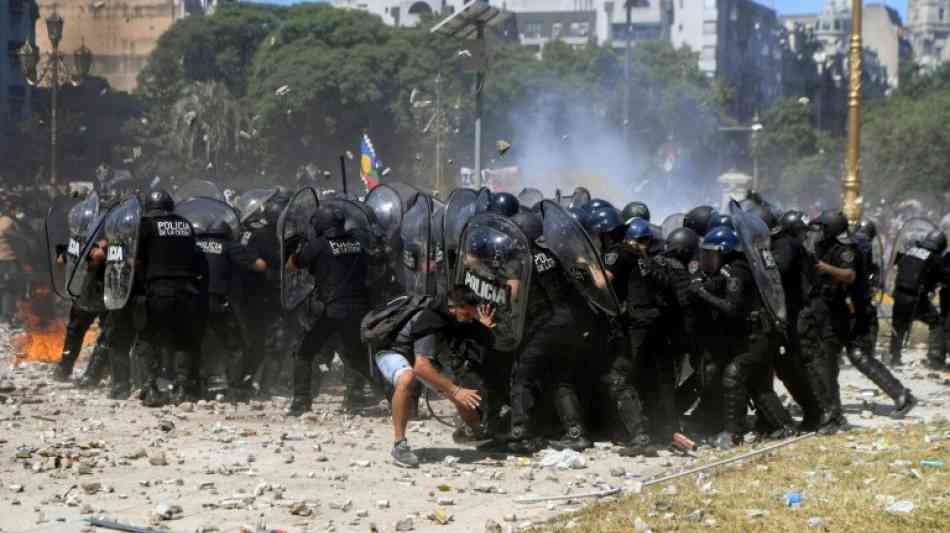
x: 369, y: 164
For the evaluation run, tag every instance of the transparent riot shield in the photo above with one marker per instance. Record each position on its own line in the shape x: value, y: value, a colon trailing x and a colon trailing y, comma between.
x: 121, y: 231
x: 293, y: 228
x: 252, y: 202
x: 406, y: 193
x: 566, y: 239
x: 84, y: 217
x: 757, y: 245
x: 203, y: 212
x: 56, y: 227
x: 437, y: 227
x: 458, y: 210
x: 387, y: 205
x: 495, y: 262
x: 913, y: 231
x: 418, y: 269
x: 529, y: 197
x: 198, y: 189
x: 672, y: 223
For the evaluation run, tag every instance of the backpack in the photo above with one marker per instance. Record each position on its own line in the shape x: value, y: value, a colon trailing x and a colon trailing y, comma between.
x: 381, y: 325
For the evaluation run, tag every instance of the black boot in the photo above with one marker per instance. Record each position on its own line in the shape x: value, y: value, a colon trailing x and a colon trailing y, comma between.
x: 574, y: 439
x: 72, y: 345
x: 775, y: 414
x: 631, y: 416
x: 154, y: 396
x: 817, y: 378
x: 299, y: 406
x: 569, y: 411
x: 96, y: 370
x: 522, y: 442
x: 897, y: 344
x: 904, y: 403
x: 879, y: 375
x: 936, y: 348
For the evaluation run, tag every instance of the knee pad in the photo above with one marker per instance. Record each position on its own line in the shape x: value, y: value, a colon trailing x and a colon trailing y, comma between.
x: 732, y: 376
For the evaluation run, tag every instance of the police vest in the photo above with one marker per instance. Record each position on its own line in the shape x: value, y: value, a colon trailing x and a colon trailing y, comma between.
x: 219, y: 266
x: 548, y: 285
x: 911, y: 269
x: 169, y: 247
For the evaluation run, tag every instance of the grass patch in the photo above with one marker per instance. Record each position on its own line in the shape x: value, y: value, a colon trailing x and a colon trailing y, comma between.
x: 846, y: 483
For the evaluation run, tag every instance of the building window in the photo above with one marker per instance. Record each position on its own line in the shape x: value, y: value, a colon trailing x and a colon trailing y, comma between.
x: 555, y: 30
x: 533, y: 29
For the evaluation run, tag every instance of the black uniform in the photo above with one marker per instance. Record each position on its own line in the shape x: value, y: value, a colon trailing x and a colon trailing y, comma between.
x: 918, y: 273
x: 793, y: 262
x: 338, y: 260
x: 172, y: 266
x: 824, y: 326
x: 749, y: 348
x: 550, y: 350
x: 937, y: 352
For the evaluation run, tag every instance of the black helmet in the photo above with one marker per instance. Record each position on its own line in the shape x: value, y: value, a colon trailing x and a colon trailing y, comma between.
x: 603, y: 220
x: 504, y: 203
x: 597, y: 203
x: 867, y: 228
x: 765, y: 213
x: 935, y: 241
x: 328, y: 218
x: 682, y: 244
x: 159, y: 200
x: 721, y: 220
x: 832, y: 223
x: 698, y: 219
x: 636, y: 209
x: 275, y: 206
x: 530, y: 223
x: 220, y: 228
x: 793, y: 222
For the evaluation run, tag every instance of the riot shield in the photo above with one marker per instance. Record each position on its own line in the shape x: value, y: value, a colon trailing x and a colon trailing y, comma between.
x: 198, y: 189
x: 252, y: 202
x: 418, y: 270
x: 387, y: 205
x: 529, y: 197
x: 757, y: 244
x: 482, y: 200
x: 914, y: 230
x: 56, y: 227
x: 122, y: 234
x: 202, y: 212
x: 877, y: 255
x: 672, y: 223
x: 566, y: 239
x: 579, y: 198
x: 437, y: 228
x: 406, y: 193
x: 495, y: 262
x: 293, y: 228
x: 459, y: 209
x: 84, y: 217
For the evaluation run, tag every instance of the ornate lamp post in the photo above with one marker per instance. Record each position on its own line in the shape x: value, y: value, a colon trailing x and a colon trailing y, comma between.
x: 852, y: 178
x: 57, y: 72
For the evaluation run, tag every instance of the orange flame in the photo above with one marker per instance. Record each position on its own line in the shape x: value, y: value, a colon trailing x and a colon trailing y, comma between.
x: 42, y: 340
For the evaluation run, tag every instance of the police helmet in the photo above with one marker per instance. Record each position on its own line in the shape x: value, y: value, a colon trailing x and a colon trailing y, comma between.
x: 832, y: 223
x: 578, y: 214
x: 721, y: 220
x: 637, y: 229
x: 793, y: 222
x: 698, y: 219
x: 159, y: 200
x: 327, y: 218
x: 682, y: 244
x: 220, y: 228
x: 530, y: 223
x: 503, y: 203
x: 935, y: 241
x: 603, y: 220
x: 597, y: 203
x: 636, y: 209
x: 717, y: 245
x: 867, y: 228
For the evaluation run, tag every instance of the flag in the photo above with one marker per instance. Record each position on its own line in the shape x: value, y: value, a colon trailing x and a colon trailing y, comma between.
x: 369, y: 164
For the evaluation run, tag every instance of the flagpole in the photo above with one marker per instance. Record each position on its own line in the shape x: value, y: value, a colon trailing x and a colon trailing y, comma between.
x: 343, y: 172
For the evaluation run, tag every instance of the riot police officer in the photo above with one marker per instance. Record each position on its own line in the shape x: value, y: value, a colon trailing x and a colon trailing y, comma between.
x: 550, y: 348
x: 172, y: 266
x: 635, y: 210
x: 732, y: 295
x: 338, y: 259
x: 699, y: 219
x: 918, y: 273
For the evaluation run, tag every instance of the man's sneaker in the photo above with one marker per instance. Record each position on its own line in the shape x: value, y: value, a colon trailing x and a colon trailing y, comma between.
x: 403, y: 456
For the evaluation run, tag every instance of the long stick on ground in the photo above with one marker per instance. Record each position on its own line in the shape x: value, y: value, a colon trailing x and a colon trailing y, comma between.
x: 118, y: 526
x: 655, y: 481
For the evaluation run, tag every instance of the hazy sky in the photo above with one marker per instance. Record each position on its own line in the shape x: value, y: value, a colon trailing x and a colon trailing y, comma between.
x: 782, y: 6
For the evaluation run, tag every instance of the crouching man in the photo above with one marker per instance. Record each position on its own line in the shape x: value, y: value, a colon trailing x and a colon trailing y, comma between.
x: 437, y: 327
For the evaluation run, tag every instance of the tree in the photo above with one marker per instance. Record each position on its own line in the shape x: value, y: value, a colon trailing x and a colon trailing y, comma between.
x: 209, y: 126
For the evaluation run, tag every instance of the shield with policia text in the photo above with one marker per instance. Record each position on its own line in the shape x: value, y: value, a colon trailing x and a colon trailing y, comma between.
x: 57, y: 242
x: 495, y: 262
x: 198, y: 189
x: 84, y: 219
x: 459, y: 208
x: 911, y: 233
x: 121, y: 231
x: 203, y: 212
x: 757, y: 244
x: 419, y: 267
x: 566, y: 239
x: 294, y: 227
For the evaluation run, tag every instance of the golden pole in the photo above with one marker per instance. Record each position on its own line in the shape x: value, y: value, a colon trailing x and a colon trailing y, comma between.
x: 852, y: 179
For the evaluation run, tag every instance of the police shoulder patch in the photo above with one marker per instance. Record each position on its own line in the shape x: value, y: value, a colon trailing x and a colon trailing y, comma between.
x: 246, y: 238
x: 847, y: 257
x: 734, y: 284
x: 611, y: 258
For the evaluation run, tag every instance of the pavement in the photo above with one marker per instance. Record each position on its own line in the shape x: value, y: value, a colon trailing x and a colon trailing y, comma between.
x: 67, y: 454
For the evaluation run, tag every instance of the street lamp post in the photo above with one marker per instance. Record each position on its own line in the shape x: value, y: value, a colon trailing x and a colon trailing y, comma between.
x: 57, y: 73
x: 852, y: 179
x: 753, y: 131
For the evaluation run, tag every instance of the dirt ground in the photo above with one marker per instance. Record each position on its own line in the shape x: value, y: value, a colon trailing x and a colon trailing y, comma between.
x: 66, y: 454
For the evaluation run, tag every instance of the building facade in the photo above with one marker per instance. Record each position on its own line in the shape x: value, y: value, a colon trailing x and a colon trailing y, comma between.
x: 17, y: 20
x: 120, y: 33
x: 928, y: 25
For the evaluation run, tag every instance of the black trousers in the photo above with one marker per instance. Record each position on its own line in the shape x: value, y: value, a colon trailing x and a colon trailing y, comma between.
x: 172, y: 331
x: 80, y: 320
x: 347, y: 325
x: 228, y: 353
x: 824, y: 331
x: 116, y: 339
x: 790, y: 370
